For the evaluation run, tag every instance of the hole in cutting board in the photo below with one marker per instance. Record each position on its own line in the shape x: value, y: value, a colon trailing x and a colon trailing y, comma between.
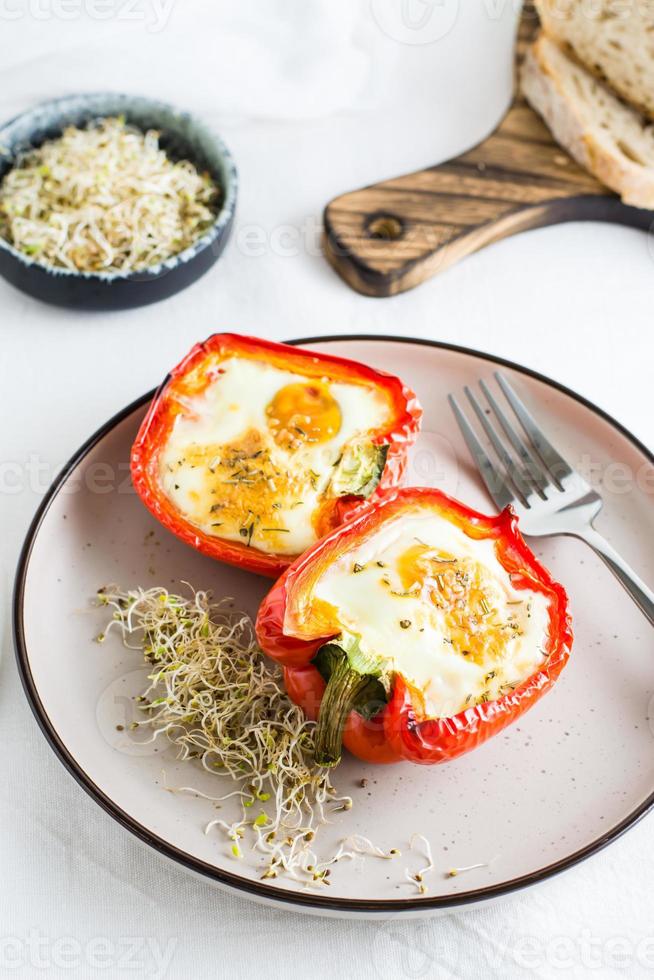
x: 385, y: 227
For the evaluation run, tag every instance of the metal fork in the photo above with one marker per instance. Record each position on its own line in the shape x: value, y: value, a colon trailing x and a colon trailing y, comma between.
x: 547, y: 494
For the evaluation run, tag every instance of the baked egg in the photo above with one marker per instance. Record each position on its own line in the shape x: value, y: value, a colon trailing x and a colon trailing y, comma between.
x: 422, y: 598
x: 258, y: 454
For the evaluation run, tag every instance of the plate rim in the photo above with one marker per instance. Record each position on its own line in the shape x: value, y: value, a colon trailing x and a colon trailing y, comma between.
x: 253, y: 888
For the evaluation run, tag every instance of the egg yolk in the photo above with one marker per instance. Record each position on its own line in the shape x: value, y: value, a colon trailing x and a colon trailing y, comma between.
x: 301, y: 413
x: 464, y: 592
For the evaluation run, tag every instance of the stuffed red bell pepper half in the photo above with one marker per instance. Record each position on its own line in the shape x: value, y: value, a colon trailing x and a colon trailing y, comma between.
x: 251, y: 451
x: 416, y: 630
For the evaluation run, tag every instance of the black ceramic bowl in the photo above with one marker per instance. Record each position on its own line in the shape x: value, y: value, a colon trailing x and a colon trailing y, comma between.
x: 183, y: 137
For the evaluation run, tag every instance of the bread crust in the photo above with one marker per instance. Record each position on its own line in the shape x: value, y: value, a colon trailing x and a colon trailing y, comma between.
x: 557, y: 19
x: 545, y: 92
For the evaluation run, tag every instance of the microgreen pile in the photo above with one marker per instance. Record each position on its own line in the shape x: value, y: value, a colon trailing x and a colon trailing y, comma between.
x: 215, y: 696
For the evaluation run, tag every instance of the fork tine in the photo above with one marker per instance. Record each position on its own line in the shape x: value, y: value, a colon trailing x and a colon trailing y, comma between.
x: 555, y: 463
x: 498, y: 488
x: 513, y: 471
x: 534, y: 469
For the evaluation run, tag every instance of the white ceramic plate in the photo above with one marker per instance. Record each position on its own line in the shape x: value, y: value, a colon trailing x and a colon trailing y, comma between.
x: 566, y: 780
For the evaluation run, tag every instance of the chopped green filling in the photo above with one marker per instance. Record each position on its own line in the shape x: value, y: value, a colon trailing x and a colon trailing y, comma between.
x: 359, y: 470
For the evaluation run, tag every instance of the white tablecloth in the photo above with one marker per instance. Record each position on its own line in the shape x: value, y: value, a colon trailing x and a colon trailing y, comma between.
x: 314, y: 98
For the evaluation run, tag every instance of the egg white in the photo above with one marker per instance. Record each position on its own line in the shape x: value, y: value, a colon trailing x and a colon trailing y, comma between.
x: 236, y: 402
x: 366, y: 607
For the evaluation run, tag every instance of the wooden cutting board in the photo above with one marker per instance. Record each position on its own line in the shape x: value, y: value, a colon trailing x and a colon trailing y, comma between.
x: 391, y: 236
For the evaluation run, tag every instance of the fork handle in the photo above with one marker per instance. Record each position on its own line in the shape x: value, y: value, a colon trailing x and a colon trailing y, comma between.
x: 639, y: 592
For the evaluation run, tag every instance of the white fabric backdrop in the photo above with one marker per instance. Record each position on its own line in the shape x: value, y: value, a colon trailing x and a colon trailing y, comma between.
x: 314, y: 98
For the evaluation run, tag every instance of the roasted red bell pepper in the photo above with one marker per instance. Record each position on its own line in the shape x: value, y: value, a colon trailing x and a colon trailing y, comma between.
x: 388, y: 722
x: 228, y: 500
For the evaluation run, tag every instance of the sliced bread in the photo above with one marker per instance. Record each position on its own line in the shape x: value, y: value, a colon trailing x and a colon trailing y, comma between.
x: 610, y: 139
x: 613, y: 38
